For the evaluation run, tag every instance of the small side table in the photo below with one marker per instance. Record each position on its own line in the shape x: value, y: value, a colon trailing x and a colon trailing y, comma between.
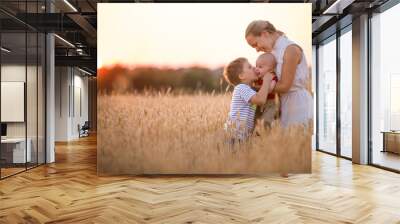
x: 391, y: 141
x: 13, y: 150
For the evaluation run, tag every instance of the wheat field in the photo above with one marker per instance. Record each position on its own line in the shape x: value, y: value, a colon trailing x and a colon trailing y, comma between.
x: 183, y: 134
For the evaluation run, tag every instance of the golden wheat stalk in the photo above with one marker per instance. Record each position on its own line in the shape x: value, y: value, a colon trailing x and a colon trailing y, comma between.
x: 183, y: 134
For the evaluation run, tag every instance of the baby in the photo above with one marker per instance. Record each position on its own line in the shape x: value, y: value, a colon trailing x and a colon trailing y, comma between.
x: 268, y: 112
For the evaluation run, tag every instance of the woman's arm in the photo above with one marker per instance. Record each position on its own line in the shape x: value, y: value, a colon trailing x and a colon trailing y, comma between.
x: 291, y: 59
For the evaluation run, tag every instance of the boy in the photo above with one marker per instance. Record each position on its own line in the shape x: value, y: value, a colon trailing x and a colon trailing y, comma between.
x: 242, y: 75
x: 268, y: 112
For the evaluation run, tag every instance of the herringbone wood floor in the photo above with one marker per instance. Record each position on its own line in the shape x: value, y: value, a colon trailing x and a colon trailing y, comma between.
x: 70, y: 192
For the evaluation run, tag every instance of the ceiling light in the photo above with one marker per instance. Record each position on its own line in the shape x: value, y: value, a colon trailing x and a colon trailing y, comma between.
x: 86, y: 72
x: 338, y: 6
x: 79, y: 51
x: 65, y: 41
x: 70, y: 5
x: 5, y: 50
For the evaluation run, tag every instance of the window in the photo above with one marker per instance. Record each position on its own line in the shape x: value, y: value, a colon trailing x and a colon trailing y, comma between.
x: 22, y: 88
x: 313, y: 89
x: 346, y: 93
x: 327, y: 96
x: 385, y: 89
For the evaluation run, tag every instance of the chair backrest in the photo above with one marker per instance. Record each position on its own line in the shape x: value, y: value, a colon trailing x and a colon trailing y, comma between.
x: 86, y: 124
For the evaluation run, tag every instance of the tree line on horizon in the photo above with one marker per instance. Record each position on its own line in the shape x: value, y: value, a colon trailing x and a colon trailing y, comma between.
x: 122, y: 79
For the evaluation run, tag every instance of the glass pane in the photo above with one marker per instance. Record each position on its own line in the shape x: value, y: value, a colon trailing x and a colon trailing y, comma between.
x: 41, y: 98
x: 327, y: 97
x: 23, y: 90
x: 31, y: 100
x: 14, y: 153
x: 80, y: 101
x: 346, y: 94
x: 385, y: 86
x: 31, y: 86
x: 314, y: 73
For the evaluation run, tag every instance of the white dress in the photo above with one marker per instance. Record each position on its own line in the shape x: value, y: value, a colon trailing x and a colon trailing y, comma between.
x: 297, y: 103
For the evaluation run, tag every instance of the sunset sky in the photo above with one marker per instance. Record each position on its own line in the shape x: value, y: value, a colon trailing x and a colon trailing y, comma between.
x: 175, y: 34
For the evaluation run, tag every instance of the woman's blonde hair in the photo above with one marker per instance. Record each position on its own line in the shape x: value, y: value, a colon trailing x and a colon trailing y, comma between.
x: 257, y: 26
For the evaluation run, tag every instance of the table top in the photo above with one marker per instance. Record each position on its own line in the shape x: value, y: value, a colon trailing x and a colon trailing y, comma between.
x: 13, y: 140
x: 391, y: 132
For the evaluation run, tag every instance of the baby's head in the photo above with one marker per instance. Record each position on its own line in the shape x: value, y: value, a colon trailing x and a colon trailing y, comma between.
x: 239, y: 71
x: 265, y: 63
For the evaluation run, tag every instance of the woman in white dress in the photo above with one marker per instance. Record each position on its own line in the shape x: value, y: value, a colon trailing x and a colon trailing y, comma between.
x: 291, y: 69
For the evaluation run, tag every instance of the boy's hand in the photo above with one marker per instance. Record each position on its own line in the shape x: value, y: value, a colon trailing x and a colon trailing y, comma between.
x: 256, y: 86
x: 260, y: 98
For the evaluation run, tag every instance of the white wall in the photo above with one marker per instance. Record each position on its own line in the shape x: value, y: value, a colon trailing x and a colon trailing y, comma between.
x: 71, y: 93
x: 81, y: 89
x: 62, y: 81
x: 15, y: 72
x: 13, y: 101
